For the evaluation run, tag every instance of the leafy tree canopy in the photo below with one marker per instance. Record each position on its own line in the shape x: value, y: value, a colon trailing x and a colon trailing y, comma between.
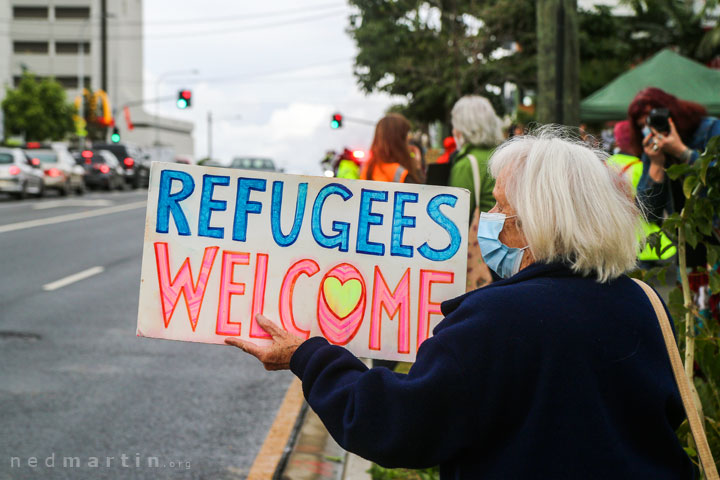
x: 38, y: 109
x: 431, y: 52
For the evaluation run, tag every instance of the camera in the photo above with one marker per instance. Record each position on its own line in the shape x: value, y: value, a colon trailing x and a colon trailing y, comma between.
x: 658, y: 119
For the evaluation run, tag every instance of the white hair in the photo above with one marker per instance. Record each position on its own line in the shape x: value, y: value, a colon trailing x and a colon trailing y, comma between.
x: 570, y: 205
x: 473, y: 116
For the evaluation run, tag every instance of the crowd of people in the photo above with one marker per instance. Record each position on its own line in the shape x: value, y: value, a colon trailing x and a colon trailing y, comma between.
x: 552, y: 365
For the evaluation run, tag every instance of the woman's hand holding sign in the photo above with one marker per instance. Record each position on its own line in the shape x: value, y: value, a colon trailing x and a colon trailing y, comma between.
x: 275, y: 356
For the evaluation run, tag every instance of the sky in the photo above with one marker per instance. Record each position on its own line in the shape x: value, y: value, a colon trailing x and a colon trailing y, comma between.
x: 271, y: 73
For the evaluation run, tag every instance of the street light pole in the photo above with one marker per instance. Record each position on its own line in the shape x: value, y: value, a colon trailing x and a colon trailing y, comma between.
x: 81, y: 77
x: 193, y: 71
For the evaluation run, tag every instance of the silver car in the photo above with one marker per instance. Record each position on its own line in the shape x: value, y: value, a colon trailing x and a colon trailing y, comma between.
x: 61, y: 173
x: 18, y: 176
x: 254, y: 163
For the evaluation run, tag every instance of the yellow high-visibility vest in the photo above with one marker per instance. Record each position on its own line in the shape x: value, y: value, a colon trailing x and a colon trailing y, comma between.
x: 632, y: 168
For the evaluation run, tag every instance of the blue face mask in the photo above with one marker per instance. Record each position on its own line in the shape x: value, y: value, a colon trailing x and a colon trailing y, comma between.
x: 503, y: 260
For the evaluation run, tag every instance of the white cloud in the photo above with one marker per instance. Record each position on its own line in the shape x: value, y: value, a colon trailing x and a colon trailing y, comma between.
x: 271, y: 91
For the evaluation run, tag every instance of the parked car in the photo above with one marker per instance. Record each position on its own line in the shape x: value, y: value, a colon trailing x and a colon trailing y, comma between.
x: 135, y: 168
x: 18, y: 176
x: 60, y: 171
x: 102, y: 169
x: 254, y: 163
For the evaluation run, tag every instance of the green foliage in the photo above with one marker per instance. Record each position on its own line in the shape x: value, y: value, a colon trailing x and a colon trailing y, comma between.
x: 431, y: 52
x: 39, y: 110
x: 379, y: 473
x: 701, y: 186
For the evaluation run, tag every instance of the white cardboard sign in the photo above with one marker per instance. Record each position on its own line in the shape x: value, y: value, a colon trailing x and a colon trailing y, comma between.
x: 363, y: 264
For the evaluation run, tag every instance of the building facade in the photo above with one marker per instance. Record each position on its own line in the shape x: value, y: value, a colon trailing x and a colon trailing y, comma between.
x: 68, y: 40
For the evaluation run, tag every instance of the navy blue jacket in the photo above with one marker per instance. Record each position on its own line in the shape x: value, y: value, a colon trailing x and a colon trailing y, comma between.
x: 545, y: 375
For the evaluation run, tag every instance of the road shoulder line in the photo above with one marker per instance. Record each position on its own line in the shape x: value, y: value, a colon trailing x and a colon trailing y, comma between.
x: 266, y: 461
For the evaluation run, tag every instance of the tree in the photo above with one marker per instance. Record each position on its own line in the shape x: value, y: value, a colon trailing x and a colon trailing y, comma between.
x: 424, y: 51
x: 38, y: 110
x: 431, y: 52
x: 698, y: 331
x: 558, y: 99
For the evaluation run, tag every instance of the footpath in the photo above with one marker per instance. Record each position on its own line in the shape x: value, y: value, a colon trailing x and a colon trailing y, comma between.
x: 298, y: 447
x: 315, y: 455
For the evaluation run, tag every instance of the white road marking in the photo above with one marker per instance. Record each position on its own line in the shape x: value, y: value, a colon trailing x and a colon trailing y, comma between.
x: 100, y: 202
x: 11, y: 227
x: 73, y: 278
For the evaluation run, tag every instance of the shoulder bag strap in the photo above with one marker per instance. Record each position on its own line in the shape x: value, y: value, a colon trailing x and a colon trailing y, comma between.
x: 476, y: 178
x: 698, y: 433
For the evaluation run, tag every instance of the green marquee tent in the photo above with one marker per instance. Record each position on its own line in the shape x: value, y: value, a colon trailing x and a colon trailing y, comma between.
x: 680, y: 76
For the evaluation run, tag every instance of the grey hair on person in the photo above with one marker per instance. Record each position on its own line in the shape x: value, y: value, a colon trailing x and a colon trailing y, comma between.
x: 571, y: 206
x: 473, y: 116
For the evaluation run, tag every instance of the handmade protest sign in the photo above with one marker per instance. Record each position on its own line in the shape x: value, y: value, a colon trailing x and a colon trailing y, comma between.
x: 364, y: 264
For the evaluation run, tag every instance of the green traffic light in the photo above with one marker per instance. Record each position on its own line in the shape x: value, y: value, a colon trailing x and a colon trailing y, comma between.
x: 182, y: 103
x: 334, y: 124
x: 115, y: 137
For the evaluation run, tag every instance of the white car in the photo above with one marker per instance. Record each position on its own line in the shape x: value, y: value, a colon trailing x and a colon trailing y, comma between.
x: 18, y: 176
x: 61, y: 172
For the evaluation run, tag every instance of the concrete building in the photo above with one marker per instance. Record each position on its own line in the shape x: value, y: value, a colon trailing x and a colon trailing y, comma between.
x: 46, y: 38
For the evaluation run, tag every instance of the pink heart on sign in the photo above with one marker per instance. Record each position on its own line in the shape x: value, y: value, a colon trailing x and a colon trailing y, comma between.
x: 341, y: 303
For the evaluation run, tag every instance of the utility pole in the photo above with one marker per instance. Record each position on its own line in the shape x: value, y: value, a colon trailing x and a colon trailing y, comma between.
x: 558, y: 62
x: 103, y: 45
x: 209, y: 131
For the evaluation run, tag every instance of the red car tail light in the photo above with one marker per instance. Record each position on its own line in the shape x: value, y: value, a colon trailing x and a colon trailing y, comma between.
x: 87, y: 154
x: 129, y: 162
x: 104, y: 169
x: 35, y: 161
x: 14, y: 170
x: 53, y: 172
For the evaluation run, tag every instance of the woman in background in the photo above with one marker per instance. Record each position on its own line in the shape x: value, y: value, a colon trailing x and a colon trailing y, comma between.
x: 390, y: 158
x: 477, y: 131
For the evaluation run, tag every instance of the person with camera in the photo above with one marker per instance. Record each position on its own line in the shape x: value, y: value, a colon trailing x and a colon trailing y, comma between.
x: 671, y: 131
x: 667, y: 130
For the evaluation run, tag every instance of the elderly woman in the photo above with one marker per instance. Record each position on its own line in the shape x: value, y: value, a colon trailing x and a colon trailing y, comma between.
x: 559, y: 371
x: 477, y: 130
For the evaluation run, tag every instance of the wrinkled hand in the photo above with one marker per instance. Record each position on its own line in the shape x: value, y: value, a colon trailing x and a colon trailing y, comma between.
x: 275, y: 356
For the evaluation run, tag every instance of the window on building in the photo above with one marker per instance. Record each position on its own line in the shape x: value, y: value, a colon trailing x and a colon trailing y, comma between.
x: 72, y: 12
x: 17, y: 78
x: 72, y: 82
x: 71, y: 48
x: 30, y: 47
x: 30, y: 12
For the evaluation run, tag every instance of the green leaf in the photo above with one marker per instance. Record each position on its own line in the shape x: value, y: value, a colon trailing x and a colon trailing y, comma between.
x: 704, y: 164
x: 689, y: 185
x: 690, y: 235
x: 678, y: 170
x: 712, y: 254
x: 712, y: 147
x: 714, y: 282
x: 690, y: 452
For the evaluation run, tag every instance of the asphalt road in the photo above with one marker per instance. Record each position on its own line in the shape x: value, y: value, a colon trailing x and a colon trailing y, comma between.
x: 76, y: 382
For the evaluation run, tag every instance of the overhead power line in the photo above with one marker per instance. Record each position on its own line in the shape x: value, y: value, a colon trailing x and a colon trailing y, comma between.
x: 224, y: 31
x: 186, y: 21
